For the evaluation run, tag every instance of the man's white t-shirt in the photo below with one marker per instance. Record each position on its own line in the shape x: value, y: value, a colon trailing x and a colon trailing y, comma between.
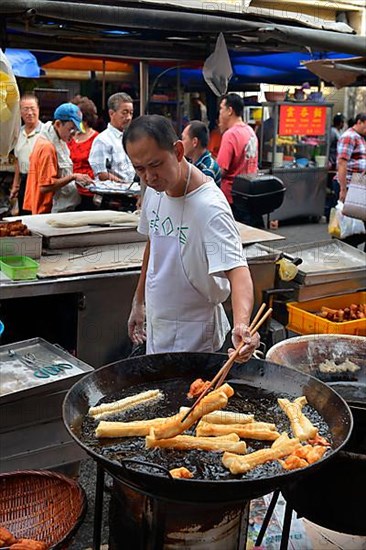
x: 209, y: 238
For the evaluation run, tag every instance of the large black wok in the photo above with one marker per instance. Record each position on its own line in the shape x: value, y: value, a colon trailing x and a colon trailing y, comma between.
x: 257, y: 374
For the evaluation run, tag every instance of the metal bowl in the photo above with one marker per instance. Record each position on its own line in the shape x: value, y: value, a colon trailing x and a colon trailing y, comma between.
x: 306, y: 353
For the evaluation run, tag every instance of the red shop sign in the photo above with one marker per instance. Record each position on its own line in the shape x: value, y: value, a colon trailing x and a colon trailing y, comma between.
x: 302, y: 120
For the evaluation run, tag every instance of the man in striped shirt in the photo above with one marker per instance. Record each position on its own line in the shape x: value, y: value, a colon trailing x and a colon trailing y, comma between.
x: 195, y: 140
x: 351, y: 153
x: 351, y: 159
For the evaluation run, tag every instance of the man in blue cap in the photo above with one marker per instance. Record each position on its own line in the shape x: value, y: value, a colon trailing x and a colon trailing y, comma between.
x: 51, y: 181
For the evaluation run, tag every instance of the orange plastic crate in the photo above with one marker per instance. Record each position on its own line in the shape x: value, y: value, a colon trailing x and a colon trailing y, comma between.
x: 303, y: 318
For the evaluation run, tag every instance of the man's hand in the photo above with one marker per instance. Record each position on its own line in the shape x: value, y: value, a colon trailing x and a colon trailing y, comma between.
x: 241, y: 334
x: 136, y: 324
x: 342, y: 194
x: 14, y: 193
x: 83, y: 179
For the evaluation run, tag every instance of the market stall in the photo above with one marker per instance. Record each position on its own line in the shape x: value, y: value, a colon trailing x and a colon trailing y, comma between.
x: 85, y: 282
x: 294, y: 146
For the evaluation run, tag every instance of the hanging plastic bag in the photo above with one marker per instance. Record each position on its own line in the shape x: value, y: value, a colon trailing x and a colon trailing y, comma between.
x: 217, y: 70
x: 341, y: 226
x: 9, y: 107
x: 286, y: 270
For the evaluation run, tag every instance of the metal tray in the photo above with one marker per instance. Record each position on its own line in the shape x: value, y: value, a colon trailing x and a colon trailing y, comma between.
x: 302, y: 293
x: 257, y: 253
x: 45, y: 352
x: 327, y: 261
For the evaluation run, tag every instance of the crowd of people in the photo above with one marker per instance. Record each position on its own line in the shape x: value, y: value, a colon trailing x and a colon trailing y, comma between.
x: 56, y: 162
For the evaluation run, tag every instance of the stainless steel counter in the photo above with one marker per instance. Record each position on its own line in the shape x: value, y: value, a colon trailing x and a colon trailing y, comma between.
x: 93, y: 323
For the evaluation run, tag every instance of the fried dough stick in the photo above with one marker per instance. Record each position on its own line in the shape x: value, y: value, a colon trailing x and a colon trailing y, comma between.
x: 137, y: 428
x: 124, y: 404
x: 303, y: 456
x: 6, y: 537
x: 187, y: 442
x: 181, y: 473
x: 300, y: 425
x: 282, y: 447
x: 215, y: 400
x: 224, y: 417
x: 253, y: 430
x: 29, y: 544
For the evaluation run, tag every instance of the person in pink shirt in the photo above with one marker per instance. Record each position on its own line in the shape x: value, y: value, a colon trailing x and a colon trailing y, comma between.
x: 238, y: 152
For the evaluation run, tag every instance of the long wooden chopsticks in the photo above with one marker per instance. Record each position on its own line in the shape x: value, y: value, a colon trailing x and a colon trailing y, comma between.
x: 219, y: 378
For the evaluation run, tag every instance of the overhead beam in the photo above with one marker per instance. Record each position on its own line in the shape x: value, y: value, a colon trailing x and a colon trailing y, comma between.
x: 138, y: 18
x: 139, y: 50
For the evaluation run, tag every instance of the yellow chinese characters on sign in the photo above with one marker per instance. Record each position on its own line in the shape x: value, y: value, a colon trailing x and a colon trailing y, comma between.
x: 302, y: 120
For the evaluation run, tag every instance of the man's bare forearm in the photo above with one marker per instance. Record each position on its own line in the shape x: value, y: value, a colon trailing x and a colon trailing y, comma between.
x: 57, y: 184
x: 139, y: 296
x: 242, y: 294
x: 111, y: 176
x: 342, y: 173
x: 16, y: 179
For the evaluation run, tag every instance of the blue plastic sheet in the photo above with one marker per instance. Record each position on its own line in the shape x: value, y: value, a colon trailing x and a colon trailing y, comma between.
x: 23, y: 62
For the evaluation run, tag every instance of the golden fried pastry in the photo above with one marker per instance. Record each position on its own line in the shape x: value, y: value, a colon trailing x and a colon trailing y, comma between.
x: 187, y: 442
x: 300, y: 425
x: 124, y: 404
x: 6, y: 538
x: 211, y: 402
x: 29, y: 544
x: 253, y: 430
x: 181, y: 473
x: 224, y: 417
x: 197, y: 387
x: 137, y: 428
x: 241, y: 464
x: 293, y: 462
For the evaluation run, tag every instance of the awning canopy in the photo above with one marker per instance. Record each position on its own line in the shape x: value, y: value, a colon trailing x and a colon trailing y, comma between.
x: 346, y: 71
x: 70, y: 63
x: 285, y: 68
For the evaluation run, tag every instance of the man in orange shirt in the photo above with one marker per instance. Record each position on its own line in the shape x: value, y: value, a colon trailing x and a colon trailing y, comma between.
x: 51, y: 181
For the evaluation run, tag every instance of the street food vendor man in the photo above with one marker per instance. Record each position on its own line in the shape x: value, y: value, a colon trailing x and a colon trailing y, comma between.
x: 193, y: 257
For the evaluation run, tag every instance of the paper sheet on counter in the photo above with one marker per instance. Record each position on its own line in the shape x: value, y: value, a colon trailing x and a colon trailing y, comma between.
x: 80, y: 261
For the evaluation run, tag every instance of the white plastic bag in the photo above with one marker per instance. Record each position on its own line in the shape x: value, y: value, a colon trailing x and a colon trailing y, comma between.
x: 9, y: 107
x: 342, y: 226
x: 217, y: 70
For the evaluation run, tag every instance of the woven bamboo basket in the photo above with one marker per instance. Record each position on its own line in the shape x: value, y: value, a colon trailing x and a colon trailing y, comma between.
x: 41, y: 505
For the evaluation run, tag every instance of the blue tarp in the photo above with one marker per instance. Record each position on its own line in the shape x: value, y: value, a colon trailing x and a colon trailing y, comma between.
x: 269, y: 68
x: 253, y: 68
x: 23, y: 62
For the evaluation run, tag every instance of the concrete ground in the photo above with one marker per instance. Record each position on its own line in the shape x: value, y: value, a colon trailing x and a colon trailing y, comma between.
x: 301, y: 232
x: 295, y: 233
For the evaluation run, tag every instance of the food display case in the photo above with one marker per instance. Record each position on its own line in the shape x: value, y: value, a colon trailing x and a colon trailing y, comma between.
x: 294, y: 146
